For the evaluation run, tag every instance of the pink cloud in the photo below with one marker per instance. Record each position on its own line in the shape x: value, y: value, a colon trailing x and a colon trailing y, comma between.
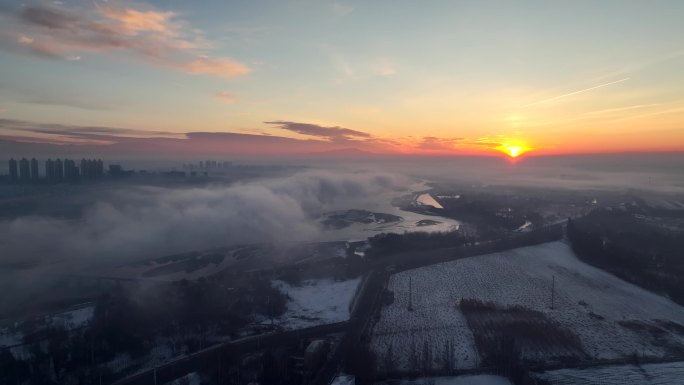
x: 133, y: 21
x: 152, y: 36
x: 220, y: 67
x: 226, y: 97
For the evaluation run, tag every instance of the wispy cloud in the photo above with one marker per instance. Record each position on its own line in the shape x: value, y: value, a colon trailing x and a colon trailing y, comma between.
x: 153, y: 36
x: 621, y: 109
x: 341, y: 9
x: 225, y: 97
x: 348, y: 68
x: 432, y: 143
x: 334, y: 133
x: 574, y: 93
x: 53, y: 132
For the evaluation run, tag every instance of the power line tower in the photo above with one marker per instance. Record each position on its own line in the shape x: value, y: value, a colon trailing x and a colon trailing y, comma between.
x: 410, y: 305
x: 553, y: 287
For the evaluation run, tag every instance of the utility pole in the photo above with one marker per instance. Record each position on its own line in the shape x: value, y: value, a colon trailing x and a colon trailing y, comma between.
x: 553, y: 287
x: 410, y: 306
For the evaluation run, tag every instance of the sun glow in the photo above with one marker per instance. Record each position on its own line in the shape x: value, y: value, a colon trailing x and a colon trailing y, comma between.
x: 513, y: 150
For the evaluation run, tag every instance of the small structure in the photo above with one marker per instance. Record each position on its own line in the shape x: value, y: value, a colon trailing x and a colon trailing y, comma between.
x: 343, y: 379
x: 315, y: 354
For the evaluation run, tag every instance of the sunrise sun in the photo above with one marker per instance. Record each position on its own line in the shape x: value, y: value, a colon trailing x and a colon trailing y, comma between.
x: 513, y: 150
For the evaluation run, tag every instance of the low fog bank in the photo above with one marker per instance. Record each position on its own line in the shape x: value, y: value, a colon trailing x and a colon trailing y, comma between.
x: 648, y: 172
x: 135, y: 223
x: 139, y: 222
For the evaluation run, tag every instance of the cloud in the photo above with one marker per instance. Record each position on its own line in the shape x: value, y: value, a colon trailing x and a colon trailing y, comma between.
x: 432, y: 143
x: 226, y: 97
x: 149, y: 35
x: 574, y: 93
x: 383, y: 67
x: 136, y: 222
x: 134, y: 22
x: 341, y: 9
x: 115, y: 141
x: 334, y: 133
x: 221, y: 67
x: 92, y: 134
x: 347, y: 68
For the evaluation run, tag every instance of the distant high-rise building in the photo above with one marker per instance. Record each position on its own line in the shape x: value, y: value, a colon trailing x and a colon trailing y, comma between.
x: 59, y: 170
x: 71, y: 173
x: 50, y: 170
x: 34, y: 170
x: 24, y: 170
x: 115, y: 170
x: 100, y: 168
x: 13, y: 170
x: 84, y: 169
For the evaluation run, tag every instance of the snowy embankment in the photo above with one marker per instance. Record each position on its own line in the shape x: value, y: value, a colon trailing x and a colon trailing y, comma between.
x: 316, y: 302
x: 478, y: 379
x: 650, y: 374
x: 611, y: 317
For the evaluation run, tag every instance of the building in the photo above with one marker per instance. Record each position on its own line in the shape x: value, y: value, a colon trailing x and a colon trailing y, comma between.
x: 13, y: 170
x: 71, y: 173
x: 50, y: 170
x: 35, y: 175
x: 315, y: 354
x: 115, y: 170
x: 59, y: 170
x: 99, y: 168
x: 24, y: 170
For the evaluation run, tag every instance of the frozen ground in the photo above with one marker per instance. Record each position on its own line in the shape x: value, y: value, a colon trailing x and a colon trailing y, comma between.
x: 479, y: 379
x: 343, y: 379
x: 317, y: 302
x: 427, y: 200
x: 71, y: 319
x: 74, y: 319
x: 188, y: 379
x: 650, y: 374
x: 611, y: 317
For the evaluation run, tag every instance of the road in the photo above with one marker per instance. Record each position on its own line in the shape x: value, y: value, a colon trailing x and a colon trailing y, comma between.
x: 210, y: 356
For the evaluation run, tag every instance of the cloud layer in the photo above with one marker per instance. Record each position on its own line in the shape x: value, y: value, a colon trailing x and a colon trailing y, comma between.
x: 330, y: 133
x: 147, y: 222
x: 150, y: 35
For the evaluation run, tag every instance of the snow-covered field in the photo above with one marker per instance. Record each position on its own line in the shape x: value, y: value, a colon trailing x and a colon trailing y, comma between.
x: 650, y: 374
x: 588, y: 301
x: 478, y: 379
x: 317, y: 302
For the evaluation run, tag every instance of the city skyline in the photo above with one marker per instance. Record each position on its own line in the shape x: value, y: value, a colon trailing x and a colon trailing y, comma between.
x: 24, y: 170
x: 299, y: 77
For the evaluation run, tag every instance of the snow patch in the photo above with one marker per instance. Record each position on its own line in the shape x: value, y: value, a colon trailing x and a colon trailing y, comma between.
x: 316, y: 302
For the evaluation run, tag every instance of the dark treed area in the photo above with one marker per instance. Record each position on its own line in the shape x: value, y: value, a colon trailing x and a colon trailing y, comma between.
x: 628, y: 244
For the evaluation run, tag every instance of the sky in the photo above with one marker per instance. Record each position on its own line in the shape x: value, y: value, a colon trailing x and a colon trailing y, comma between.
x: 384, y: 77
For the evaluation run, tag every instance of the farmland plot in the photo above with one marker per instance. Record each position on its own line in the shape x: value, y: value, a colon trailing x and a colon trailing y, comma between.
x: 649, y: 374
x: 611, y: 318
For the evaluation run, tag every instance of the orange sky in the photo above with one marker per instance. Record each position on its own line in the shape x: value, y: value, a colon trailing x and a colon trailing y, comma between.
x: 465, y: 79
